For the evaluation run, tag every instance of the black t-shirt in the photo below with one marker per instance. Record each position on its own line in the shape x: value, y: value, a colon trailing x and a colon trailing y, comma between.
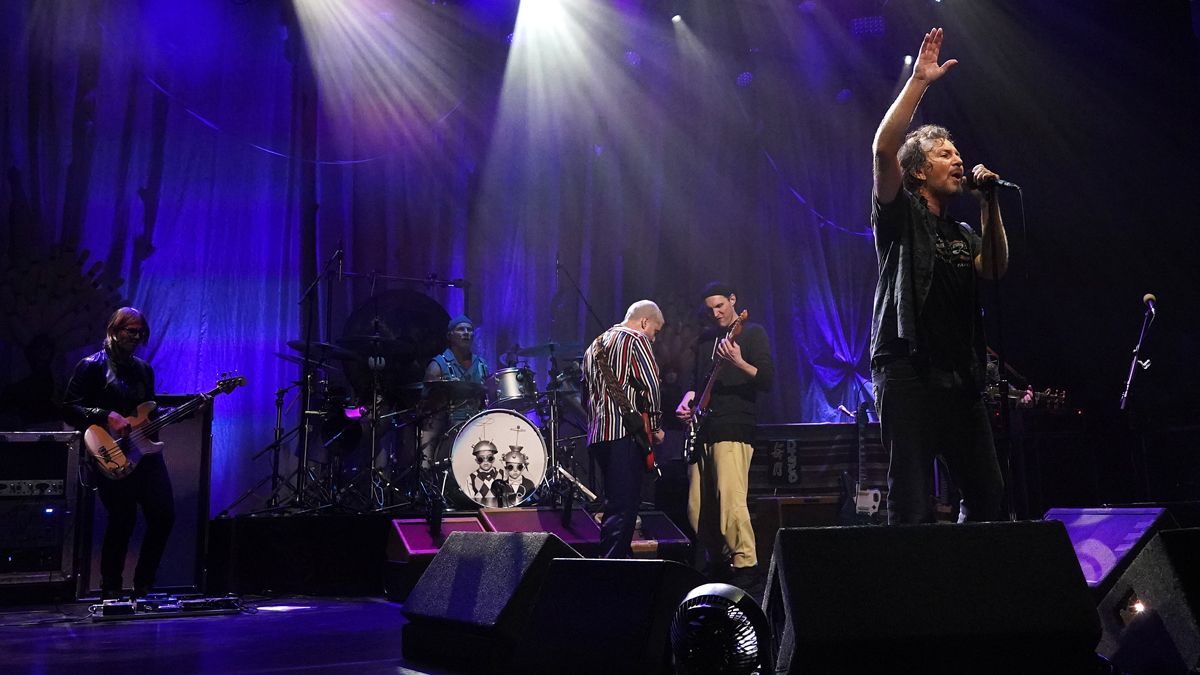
x: 947, y: 317
x: 733, y: 410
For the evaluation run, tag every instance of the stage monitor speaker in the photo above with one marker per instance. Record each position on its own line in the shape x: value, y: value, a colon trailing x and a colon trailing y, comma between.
x: 581, y: 530
x: 1107, y: 540
x: 414, y: 538
x: 411, y: 545
x: 188, y: 454
x: 1151, y: 615
x: 469, y: 608
x: 604, y: 616
x: 988, y: 597
x: 38, y: 489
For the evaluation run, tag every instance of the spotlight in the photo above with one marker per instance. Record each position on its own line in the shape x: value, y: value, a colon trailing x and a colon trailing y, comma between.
x: 908, y: 59
x: 745, y: 78
x: 676, y: 19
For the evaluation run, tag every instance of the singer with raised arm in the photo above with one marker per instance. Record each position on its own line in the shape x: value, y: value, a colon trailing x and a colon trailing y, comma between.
x: 927, y: 341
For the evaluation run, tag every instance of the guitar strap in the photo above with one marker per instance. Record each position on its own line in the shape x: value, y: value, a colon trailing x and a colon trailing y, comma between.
x: 628, y: 411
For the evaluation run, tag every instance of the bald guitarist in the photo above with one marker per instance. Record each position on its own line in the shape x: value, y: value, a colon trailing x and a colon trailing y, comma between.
x: 740, y: 353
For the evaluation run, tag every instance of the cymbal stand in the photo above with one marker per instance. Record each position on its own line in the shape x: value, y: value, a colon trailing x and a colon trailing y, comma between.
x: 559, y: 482
x: 277, y: 481
x: 309, y: 297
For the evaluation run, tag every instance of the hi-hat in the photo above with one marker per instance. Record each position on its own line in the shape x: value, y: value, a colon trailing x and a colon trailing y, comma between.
x: 323, y: 351
x: 369, y: 345
x: 557, y: 349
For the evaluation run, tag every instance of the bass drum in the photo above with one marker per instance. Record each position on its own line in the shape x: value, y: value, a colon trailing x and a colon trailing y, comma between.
x: 497, y: 459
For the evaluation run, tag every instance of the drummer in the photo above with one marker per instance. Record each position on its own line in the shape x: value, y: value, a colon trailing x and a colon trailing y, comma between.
x: 458, y: 363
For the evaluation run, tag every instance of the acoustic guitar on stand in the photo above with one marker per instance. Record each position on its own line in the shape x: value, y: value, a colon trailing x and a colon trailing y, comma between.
x: 117, y: 458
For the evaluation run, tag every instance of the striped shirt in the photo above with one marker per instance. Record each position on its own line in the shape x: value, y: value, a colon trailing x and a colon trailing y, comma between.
x: 631, y: 359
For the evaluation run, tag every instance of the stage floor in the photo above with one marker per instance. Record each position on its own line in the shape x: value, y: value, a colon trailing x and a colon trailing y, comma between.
x: 327, y: 635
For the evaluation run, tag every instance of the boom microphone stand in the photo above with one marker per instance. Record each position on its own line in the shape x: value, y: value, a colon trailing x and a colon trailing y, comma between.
x: 1147, y: 319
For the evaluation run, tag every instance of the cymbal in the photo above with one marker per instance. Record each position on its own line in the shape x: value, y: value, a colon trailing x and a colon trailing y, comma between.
x: 378, y: 344
x: 556, y: 349
x: 454, y: 390
x: 323, y: 351
x: 299, y: 360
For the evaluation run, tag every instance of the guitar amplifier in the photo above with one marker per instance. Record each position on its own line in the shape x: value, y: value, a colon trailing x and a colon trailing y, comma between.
x: 38, y: 487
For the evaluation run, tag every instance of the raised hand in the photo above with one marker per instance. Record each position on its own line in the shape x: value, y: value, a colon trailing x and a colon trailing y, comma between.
x: 926, y: 67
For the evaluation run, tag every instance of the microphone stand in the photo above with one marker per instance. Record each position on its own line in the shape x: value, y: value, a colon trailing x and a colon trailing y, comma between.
x: 1147, y: 319
x: 1004, y: 447
x: 579, y: 292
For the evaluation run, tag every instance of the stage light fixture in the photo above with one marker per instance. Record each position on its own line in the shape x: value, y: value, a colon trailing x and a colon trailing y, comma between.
x: 867, y: 25
x: 676, y: 19
x: 908, y: 59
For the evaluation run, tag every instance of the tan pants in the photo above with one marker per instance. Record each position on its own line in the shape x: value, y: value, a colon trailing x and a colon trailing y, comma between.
x: 717, y: 509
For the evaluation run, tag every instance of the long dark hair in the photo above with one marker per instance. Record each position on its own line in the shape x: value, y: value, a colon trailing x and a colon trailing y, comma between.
x: 119, y: 320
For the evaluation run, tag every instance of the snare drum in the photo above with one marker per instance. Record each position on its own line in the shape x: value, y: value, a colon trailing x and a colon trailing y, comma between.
x: 512, y: 388
x: 497, y: 458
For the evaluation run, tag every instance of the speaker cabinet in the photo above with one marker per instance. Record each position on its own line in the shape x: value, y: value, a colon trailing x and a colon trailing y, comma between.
x: 1107, y: 540
x: 470, y: 607
x: 1151, y: 615
x: 990, y: 597
x: 188, y: 454
x: 604, y: 616
x: 37, y: 506
x: 527, y: 603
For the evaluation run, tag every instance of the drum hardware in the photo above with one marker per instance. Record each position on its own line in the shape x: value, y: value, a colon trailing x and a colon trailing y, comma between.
x: 280, y: 436
x: 512, y: 388
x: 316, y: 365
x: 321, y: 352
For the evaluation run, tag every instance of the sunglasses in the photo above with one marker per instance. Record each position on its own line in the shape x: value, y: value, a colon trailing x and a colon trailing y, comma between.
x: 481, y: 460
x: 134, y: 332
x: 510, y: 467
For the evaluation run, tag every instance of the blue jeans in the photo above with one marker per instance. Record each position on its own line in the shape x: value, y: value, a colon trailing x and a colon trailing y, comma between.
x: 926, y: 414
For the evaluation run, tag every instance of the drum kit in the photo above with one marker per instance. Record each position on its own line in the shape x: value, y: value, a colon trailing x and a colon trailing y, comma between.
x: 366, y: 444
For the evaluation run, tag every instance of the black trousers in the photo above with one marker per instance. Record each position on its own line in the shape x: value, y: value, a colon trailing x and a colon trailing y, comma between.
x: 149, y: 486
x: 622, y: 464
x: 923, y: 416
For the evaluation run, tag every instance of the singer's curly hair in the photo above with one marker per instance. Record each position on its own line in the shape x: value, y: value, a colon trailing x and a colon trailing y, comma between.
x: 914, y: 153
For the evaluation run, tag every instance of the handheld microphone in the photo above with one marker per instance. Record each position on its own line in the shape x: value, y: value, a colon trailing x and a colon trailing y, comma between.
x: 1151, y: 302
x: 970, y: 182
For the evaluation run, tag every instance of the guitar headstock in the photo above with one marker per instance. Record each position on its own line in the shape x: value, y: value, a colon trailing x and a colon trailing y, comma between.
x: 227, y: 382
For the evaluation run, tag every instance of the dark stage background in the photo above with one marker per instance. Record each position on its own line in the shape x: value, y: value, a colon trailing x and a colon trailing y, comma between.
x: 203, y: 160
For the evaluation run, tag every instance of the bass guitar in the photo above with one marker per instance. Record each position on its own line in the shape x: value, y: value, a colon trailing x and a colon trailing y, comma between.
x: 117, y: 458
x: 700, y: 404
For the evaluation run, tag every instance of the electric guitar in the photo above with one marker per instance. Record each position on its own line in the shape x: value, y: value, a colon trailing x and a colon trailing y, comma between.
x: 117, y: 458
x: 859, y: 505
x: 700, y: 404
x: 1050, y: 398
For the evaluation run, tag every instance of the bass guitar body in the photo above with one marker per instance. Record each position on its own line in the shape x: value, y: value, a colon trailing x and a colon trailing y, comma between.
x: 117, y: 458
